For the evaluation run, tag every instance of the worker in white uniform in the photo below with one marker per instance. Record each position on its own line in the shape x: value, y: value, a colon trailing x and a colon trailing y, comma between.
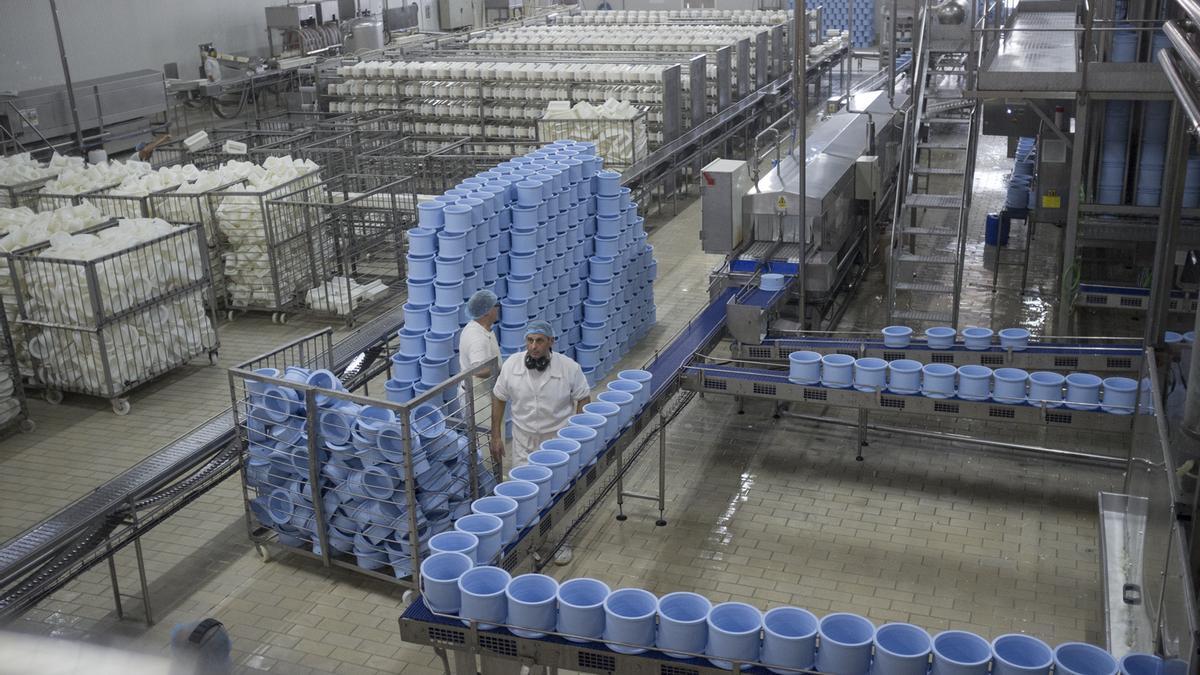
x: 212, y: 66
x: 544, y: 389
x: 477, y: 346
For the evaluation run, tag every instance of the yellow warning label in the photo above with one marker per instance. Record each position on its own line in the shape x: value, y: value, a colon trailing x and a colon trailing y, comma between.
x: 1051, y: 201
x: 782, y: 204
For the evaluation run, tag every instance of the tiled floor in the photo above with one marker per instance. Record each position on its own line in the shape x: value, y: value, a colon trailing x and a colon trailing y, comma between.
x: 763, y: 510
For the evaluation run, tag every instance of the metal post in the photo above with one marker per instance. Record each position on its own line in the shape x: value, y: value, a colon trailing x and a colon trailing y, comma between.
x: 141, y: 564
x: 621, y: 483
x: 662, y: 468
x: 800, y: 91
x: 112, y: 575
x: 1168, y: 226
x: 62, y: 54
x: 892, y: 55
x: 1067, y: 272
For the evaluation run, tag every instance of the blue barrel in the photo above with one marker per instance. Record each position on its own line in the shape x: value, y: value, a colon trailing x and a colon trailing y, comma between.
x: 995, y: 231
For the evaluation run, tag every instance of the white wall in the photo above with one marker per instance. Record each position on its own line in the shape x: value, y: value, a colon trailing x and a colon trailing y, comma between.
x: 107, y: 37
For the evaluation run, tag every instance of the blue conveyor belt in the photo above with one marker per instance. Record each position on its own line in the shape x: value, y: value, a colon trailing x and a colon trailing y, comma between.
x: 796, y: 344
x: 759, y: 298
x: 700, y: 331
x: 742, y: 373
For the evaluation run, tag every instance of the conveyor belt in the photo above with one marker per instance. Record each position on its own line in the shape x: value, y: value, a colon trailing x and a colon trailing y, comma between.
x: 418, y: 625
x: 23, y: 552
x: 700, y: 331
x: 1033, y: 348
x: 760, y: 298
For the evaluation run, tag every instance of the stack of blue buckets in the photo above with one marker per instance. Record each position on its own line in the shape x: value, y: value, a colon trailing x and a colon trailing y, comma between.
x: 1020, y: 182
x: 837, y: 11
x: 555, y: 237
x: 363, y: 471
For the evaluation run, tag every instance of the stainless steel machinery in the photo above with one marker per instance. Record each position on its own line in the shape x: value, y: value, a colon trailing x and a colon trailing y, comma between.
x: 303, y: 29
x: 851, y: 159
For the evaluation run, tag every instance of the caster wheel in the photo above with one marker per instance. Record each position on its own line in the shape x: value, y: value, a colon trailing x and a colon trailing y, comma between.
x: 408, y: 597
x: 121, y: 406
x: 229, y: 315
x: 263, y: 553
x: 27, y: 426
x: 53, y: 396
x: 282, y: 318
x: 212, y: 358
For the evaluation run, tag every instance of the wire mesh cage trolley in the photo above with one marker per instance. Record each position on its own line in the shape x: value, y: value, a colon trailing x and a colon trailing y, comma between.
x: 357, y: 482
x: 105, y: 325
x: 621, y: 142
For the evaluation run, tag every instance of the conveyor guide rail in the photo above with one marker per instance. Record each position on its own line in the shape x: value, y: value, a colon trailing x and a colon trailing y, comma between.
x: 774, y: 385
x: 1058, y: 357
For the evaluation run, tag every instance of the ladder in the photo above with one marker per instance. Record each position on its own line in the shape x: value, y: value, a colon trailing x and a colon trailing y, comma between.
x: 928, y: 243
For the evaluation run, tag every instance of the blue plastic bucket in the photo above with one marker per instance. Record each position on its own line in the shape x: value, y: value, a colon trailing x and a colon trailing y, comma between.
x: 845, y: 644
x: 937, y: 380
x: 940, y: 337
x: 482, y: 590
x: 608, y: 184
x: 1120, y: 395
x: 525, y: 494
x: 957, y: 652
x: 538, y: 475
x: 901, y: 649
x: 503, y: 508
x: 1045, y: 388
x: 897, y: 337
x: 974, y: 382
x: 629, y: 619
x: 789, y: 639
x: 1083, y: 391
x: 608, y: 247
x: 420, y: 291
x: 458, y: 217
x: 398, y: 391
x: 488, y: 529
x: 600, y: 268
x: 557, y: 462
x: 453, y: 541
x: 587, y: 439
x: 1141, y: 664
x: 1011, y: 384
x: 632, y: 388
x: 444, y: 319
x: 572, y: 450
x: 600, y: 291
x: 416, y: 317
x: 598, y: 423
x: 682, y: 624
x: 1016, y: 339
x: 837, y: 370
x: 1079, y: 658
x: 622, y: 400
x: 532, y: 600
x: 611, y: 414
x: 733, y: 629
x: 870, y: 374
x: 520, y: 287
x: 434, y: 371
x: 439, y: 345
x: 440, y: 573
x: 1016, y: 654
x: 804, y: 367
x: 581, y: 609
x: 977, y: 338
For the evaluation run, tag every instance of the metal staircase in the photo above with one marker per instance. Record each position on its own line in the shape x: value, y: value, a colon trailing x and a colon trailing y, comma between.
x: 928, y: 243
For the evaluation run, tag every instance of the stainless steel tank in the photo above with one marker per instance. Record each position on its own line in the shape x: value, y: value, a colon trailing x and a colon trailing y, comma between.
x: 363, y: 33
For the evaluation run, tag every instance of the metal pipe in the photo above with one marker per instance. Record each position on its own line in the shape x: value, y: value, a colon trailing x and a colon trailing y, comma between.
x: 1168, y: 228
x: 800, y: 91
x: 892, y: 55
x: 1055, y: 453
x: 1183, y: 92
x: 1185, y: 50
x: 62, y: 53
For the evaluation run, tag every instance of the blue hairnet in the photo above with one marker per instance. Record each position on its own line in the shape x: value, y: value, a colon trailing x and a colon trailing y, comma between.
x: 539, y: 327
x: 481, y: 303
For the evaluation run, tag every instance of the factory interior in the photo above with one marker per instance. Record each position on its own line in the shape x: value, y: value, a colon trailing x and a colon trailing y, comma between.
x: 313, y: 398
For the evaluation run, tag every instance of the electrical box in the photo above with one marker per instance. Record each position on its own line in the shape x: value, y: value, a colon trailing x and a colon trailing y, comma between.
x: 866, y: 178
x: 458, y: 13
x: 723, y: 183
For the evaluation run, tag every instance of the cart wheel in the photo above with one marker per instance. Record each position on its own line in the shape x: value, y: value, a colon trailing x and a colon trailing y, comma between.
x: 27, y: 426
x: 229, y: 315
x: 263, y: 553
x: 121, y: 406
x: 53, y: 396
x: 408, y: 596
x: 212, y: 357
x: 282, y: 318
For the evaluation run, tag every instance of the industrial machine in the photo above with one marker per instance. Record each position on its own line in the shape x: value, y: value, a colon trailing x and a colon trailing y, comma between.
x: 851, y: 158
x: 455, y: 14
x: 303, y: 29
x: 115, y: 112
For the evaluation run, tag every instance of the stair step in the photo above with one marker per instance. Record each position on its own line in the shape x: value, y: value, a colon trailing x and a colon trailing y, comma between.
x: 943, y: 145
x: 936, y: 171
x: 919, y: 287
x: 920, y: 315
x: 927, y: 258
x: 926, y: 201
x: 929, y: 231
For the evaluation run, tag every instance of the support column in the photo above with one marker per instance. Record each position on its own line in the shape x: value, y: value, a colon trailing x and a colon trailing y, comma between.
x: 1168, y: 227
x: 1062, y: 326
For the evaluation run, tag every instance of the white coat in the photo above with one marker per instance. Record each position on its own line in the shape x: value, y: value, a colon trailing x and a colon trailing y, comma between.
x: 477, y: 346
x: 540, y: 402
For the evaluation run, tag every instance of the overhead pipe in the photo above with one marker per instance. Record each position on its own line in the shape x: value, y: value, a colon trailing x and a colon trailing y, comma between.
x: 62, y: 53
x: 1183, y: 91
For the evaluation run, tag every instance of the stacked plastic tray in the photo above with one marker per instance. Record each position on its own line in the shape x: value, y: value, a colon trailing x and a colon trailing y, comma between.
x: 836, y: 13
